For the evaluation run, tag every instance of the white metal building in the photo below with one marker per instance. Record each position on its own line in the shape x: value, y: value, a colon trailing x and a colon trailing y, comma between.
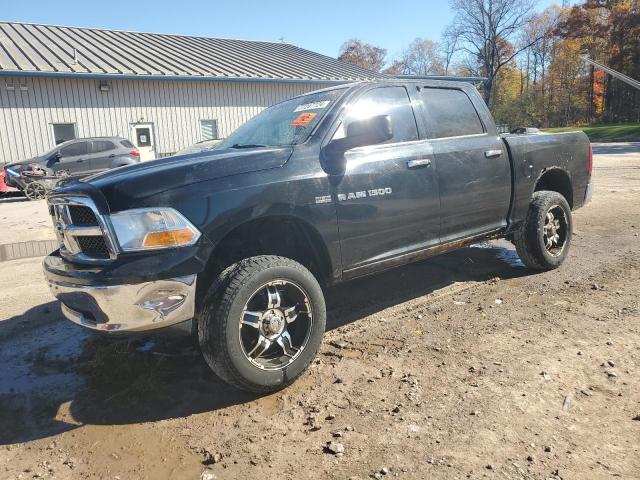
x: 163, y: 92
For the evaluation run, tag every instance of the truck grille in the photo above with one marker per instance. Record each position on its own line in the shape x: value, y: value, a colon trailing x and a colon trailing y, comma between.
x: 81, y: 230
x: 93, y: 246
x: 82, y: 216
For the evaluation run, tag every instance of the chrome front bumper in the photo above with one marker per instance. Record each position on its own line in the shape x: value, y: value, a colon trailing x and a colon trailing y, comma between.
x: 138, y: 307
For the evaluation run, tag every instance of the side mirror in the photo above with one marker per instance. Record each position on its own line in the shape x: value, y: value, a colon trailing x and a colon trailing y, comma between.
x: 359, y: 133
x: 55, y: 158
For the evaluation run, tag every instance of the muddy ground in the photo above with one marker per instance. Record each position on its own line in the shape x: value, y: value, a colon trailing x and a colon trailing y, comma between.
x: 464, y: 366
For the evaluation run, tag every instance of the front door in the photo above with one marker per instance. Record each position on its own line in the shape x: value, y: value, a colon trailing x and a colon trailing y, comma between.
x: 474, y: 173
x: 74, y: 158
x: 387, y: 199
x: 144, y: 140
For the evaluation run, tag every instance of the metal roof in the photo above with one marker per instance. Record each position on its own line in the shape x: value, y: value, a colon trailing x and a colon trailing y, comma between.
x: 36, y: 49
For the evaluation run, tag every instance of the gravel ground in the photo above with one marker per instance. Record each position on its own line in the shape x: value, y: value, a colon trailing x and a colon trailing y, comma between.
x: 463, y: 366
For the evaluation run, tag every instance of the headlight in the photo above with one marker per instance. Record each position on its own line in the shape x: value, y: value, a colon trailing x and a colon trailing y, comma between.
x: 153, y: 228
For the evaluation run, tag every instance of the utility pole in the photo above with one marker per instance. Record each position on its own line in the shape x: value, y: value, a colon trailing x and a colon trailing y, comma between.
x: 614, y: 73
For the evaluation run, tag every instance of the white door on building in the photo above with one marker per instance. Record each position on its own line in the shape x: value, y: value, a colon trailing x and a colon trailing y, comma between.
x: 145, y: 141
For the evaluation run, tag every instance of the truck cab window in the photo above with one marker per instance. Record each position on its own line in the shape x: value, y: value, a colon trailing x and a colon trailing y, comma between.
x: 392, y: 101
x: 450, y: 113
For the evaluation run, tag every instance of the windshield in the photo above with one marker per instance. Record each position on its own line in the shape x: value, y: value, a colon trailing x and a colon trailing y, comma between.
x: 287, y: 123
x: 50, y: 152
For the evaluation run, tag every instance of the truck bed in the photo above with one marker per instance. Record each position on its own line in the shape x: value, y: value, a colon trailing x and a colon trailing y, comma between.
x: 532, y: 155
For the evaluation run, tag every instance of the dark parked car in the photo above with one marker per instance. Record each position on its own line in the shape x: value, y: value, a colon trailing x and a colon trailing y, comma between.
x: 314, y: 191
x: 79, y: 158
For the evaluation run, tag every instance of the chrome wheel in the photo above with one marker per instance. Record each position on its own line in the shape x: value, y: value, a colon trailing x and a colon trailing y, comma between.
x: 275, y: 325
x: 555, y: 230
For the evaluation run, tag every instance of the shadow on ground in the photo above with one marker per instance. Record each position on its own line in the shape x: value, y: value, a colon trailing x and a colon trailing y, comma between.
x: 13, y: 197
x: 56, y: 377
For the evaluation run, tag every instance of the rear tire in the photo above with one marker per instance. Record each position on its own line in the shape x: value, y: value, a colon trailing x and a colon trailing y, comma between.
x: 262, y: 323
x: 543, y: 240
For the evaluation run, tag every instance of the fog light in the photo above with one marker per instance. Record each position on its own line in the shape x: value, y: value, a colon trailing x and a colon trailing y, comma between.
x: 164, y: 305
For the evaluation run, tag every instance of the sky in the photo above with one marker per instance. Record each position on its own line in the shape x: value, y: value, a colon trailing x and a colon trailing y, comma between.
x: 319, y: 26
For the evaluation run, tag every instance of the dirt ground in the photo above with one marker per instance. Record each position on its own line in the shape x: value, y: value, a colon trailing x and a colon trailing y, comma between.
x: 23, y: 220
x: 463, y: 366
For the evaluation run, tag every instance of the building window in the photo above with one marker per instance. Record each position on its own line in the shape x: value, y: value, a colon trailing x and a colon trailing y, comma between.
x: 208, y: 130
x: 143, y: 137
x: 63, y: 132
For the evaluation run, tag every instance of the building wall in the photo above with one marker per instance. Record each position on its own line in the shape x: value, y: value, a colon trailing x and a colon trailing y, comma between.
x: 175, y: 107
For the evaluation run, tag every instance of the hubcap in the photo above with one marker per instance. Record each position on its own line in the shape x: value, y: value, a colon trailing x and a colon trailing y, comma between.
x: 555, y: 231
x: 276, y: 325
x: 272, y: 323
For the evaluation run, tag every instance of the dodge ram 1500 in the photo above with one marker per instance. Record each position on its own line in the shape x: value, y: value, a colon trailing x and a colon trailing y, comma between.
x: 240, y: 241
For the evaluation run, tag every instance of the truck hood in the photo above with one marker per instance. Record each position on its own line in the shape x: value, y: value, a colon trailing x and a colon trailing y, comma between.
x: 130, y: 185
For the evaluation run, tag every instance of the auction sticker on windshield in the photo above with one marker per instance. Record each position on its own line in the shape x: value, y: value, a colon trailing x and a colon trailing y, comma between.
x: 303, y: 119
x: 312, y: 106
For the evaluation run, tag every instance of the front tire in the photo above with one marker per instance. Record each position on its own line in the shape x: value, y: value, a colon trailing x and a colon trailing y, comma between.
x: 262, y: 323
x: 543, y: 240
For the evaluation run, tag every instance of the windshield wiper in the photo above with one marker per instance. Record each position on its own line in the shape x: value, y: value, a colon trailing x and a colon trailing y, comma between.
x: 248, y: 145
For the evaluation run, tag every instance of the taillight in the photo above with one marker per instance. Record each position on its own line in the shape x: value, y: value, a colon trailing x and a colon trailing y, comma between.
x: 134, y: 153
x: 590, y: 161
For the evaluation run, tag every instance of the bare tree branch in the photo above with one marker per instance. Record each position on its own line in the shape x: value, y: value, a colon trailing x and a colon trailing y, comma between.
x: 488, y: 30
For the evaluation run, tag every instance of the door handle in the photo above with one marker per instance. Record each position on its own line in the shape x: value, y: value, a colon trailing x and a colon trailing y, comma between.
x: 80, y: 160
x: 112, y: 155
x: 421, y: 163
x: 492, y: 153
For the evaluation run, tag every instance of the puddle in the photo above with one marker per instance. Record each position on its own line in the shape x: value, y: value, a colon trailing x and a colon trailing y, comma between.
x: 504, y: 251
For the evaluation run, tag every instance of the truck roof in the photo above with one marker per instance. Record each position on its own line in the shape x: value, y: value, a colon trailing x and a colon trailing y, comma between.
x: 441, y: 81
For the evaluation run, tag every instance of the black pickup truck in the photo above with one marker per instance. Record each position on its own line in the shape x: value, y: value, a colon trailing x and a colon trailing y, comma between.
x: 238, y: 242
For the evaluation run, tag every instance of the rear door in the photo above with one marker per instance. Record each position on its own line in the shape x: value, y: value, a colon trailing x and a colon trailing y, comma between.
x: 474, y: 173
x: 387, y: 199
x: 103, y: 154
x: 73, y: 158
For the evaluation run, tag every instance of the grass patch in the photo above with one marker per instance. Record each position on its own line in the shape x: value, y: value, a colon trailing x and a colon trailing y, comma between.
x: 605, y: 133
